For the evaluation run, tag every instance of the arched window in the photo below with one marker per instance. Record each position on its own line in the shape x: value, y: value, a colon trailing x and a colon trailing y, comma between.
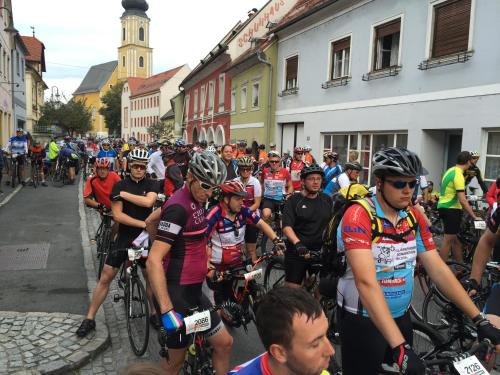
x: 123, y: 34
x: 141, y: 62
x: 195, y: 135
x: 141, y: 34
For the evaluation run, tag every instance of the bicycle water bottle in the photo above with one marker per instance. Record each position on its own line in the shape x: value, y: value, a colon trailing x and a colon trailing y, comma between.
x: 191, y: 355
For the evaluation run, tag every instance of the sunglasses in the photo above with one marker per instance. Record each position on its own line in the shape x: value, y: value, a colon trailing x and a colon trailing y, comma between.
x: 398, y: 184
x: 274, y: 161
x: 205, y: 186
x: 245, y: 169
x: 138, y: 166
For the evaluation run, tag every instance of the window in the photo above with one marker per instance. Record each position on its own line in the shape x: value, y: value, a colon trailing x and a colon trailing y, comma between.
x: 492, y: 166
x: 141, y: 34
x: 340, y: 59
x: 451, y: 27
x: 255, y: 95
x: 211, y: 98
x: 291, y: 72
x: 22, y: 69
x: 195, y: 104
x: 233, y: 100
x: 243, y: 98
x: 361, y: 146
x: 141, y: 62
x: 222, y: 90
x: 123, y: 60
x: 387, y: 45
x: 202, y: 100
x: 18, y: 68
x: 186, y: 107
x: 123, y: 34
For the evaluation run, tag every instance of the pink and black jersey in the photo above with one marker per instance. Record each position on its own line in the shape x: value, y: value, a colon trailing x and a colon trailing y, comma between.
x: 256, y: 366
x: 183, y: 226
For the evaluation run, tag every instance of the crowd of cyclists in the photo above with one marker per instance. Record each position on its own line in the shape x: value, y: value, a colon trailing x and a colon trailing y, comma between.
x: 219, y: 210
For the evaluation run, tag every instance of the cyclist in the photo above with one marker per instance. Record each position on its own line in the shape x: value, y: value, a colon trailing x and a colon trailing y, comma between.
x: 262, y: 153
x: 178, y: 262
x: 181, y: 156
x: 252, y: 199
x: 452, y: 202
x: 173, y: 176
x: 108, y: 153
x: 296, y: 165
x: 69, y: 156
x: 292, y: 327
x: 18, y: 146
x: 53, y: 154
x: 229, y: 162
x: 131, y: 202
x: 156, y: 167
x: 349, y: 176
x: 375, y: 292
x: 305, y: 217
x: 474, y: 171
x: 308, y: 158
x: 240, y: 151
x: 131, y: 146
x: 98, y: 187
x: 332, y: 168
x: 37, y: 154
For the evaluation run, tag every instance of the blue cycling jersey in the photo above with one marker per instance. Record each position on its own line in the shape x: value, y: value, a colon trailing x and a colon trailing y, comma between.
x: 110, y: 155
x: 18, y: 145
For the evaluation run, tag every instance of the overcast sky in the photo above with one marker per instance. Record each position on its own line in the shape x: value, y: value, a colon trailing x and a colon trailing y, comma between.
x: 80, y: 33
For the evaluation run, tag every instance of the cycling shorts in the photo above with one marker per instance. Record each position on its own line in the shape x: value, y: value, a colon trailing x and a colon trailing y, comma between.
x: 494, y: 221
x: 184, y: 298
x: 21, y: 158
x: 296, y: 266
x: 272, y: 204
x: 358, y: 335
x: 118, y: 254
x: 37, y: 161
x: 251, y: 233
x: 493, y: 303
x: 452, y: 217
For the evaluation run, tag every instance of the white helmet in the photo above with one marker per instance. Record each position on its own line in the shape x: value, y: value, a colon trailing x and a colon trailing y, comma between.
x: 211, y: 149
x: 139, y: 155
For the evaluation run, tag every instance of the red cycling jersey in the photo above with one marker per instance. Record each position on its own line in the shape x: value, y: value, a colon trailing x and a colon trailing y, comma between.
x: 101, y: 189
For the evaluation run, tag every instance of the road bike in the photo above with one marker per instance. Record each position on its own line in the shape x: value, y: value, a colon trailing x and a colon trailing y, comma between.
x: 103, y: 239
x: 16, y: 169
x: 135, y: 300
x: 60, y: 177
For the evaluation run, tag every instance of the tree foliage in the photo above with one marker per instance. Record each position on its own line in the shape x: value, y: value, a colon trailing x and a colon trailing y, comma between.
x: 112, y: 108
x: 160, y: 130
x: 72, y: 117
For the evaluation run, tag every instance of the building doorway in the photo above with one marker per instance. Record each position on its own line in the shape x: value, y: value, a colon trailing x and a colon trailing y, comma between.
x: 292, y: 134
x: 453, y: 147
x: 195, y: 136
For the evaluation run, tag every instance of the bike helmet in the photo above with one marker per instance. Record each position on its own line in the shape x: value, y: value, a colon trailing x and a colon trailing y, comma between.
x: 180, y: 143
x: 312, y: 169
x: 168, y: 153
x: 102, y: 163
x: 475, y: 154
x: 233, y: 187
x: 203, y: 143
x: 207, y: 167
x: 273, y: 154
x: 242, y: 142
x: 396, y: 161
x: 245, y: 161
x: 298, y: 149
x: 211, y: 149
x: 105, y: 142
x: 20, y: 130
x: 355, y: 166
x: 272, y: 144
x: 332, y: 155
x: 36, y: 143
x: 307, y: 148
x: 138, y: 155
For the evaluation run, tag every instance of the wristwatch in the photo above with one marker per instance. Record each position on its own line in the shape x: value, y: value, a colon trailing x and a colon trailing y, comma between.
x: 478, y: 318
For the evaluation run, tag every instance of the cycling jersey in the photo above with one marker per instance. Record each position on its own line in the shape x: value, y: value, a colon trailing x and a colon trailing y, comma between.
x: 53, y: 150
x: 182, y: 161
x: 453, y: 182
x: 18, y: 145
x: 336, y: 184
x: 183, y: 226
x: 254, y: 190
x: 156, y: 165
x: 275, y: 183
x: 228, y: 237
x: 331, y: 172
x: 394, y: 260
x: 101, y: 188
x: 110, y: 155
x: 69, y: 153
x: 258, y: 366
x: 295, y: 168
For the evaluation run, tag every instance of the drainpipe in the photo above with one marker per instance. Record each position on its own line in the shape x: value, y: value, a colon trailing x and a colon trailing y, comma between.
x: 270, y: 96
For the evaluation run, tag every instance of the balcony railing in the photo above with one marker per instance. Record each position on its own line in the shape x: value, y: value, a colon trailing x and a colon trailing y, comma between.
x: 383, y: 73
x: 445, y: 60
x: 290, y: 91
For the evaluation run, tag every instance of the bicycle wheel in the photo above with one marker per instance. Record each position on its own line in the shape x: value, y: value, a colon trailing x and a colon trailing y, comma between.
x: 35, y: 176
x: 426, y: 340
x: 137, y: 315
x: 433, y: 310
x: 257, y: 291
x: 14, y: 175
x: 103, y: 249
x: 57, y: 179
x: 275, y: 274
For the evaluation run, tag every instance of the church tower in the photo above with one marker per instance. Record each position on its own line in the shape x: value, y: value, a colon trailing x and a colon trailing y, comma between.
x: 135, y: 58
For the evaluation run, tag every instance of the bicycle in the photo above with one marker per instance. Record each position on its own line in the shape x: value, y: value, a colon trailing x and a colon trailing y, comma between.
x: 35, y: 173
x: 60, y: 177
x: 16, y: 175
x: 135, y: 301
x: 198, y: 359
x: 103, y: 239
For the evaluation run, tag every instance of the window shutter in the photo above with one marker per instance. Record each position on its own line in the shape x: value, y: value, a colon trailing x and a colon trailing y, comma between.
x: 389, y: 28
x: 342, y: 44
x: 291, y: 67
x: 451, y: 27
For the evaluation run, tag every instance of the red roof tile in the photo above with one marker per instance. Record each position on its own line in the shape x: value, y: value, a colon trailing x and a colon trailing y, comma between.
x: 134, y: 83
x: 35, y: 49
x: 152, y: 83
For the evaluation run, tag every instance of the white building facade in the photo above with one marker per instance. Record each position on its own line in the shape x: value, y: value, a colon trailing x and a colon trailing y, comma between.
x: 358, y: 76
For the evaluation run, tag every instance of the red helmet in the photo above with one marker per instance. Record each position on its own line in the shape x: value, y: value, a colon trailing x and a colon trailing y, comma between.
x: 102, y: 163
x: 233, y: 187
x: 299, y: 149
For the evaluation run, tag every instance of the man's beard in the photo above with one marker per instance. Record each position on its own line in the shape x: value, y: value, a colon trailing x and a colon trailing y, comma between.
x: 297, y: 368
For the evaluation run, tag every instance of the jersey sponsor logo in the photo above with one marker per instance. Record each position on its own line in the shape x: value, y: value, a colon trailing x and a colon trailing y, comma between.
x: 349, y: 229
x: 394, y: 294
x: 395, y: 253
x: 166, y: 226
x: 393, y: 282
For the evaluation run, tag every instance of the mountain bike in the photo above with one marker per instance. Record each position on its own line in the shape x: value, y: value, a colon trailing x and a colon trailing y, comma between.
x: 103, y: 239
x: 135, y: 300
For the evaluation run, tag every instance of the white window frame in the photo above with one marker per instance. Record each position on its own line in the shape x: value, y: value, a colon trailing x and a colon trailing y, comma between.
x: 373, y: 40
x: 222, y: 91
x: 195, y: 104
x: 255, y: 82
x: 186, y: 106
x: 431, y: 14
x: 284, y: 69
x: 211, y: 96
x: 243, y: 103
x: 203, y: 97
x: 491, y: 156
x: 233, y: 100
x: 330, y: 56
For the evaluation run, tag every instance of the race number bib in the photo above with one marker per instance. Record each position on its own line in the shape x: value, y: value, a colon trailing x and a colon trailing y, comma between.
x: 470, y: 366
x: 198, y: 322
x: 254, y: 275
x: 480, y: 224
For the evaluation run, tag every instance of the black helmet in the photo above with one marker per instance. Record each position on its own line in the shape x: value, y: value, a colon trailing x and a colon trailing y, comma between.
x: 355, y: 166
x: 312, y: 169
x: 397, y: 161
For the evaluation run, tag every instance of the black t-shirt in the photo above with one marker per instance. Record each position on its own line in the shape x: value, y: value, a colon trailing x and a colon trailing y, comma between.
x: 182, y: 161
x: 231, y: 171
x: 142, y: 188
x: 308, y: 218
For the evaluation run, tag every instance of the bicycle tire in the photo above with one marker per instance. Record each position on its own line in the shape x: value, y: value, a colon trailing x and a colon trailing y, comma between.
x: 57, y: 178
x: 15, y: 171
x: 257, y: 291
x: 432, y: 307
x: 105, y: 244
x: 426, y: 340
x: 275, y: 274
x: 138, y: 330
x: 35, y: 176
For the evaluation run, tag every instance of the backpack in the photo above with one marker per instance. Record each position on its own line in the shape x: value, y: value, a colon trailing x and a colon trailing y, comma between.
x: 334, y: 260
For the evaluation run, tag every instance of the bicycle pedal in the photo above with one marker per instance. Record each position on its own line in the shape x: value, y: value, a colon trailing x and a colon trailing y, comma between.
x: 117, y: 298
